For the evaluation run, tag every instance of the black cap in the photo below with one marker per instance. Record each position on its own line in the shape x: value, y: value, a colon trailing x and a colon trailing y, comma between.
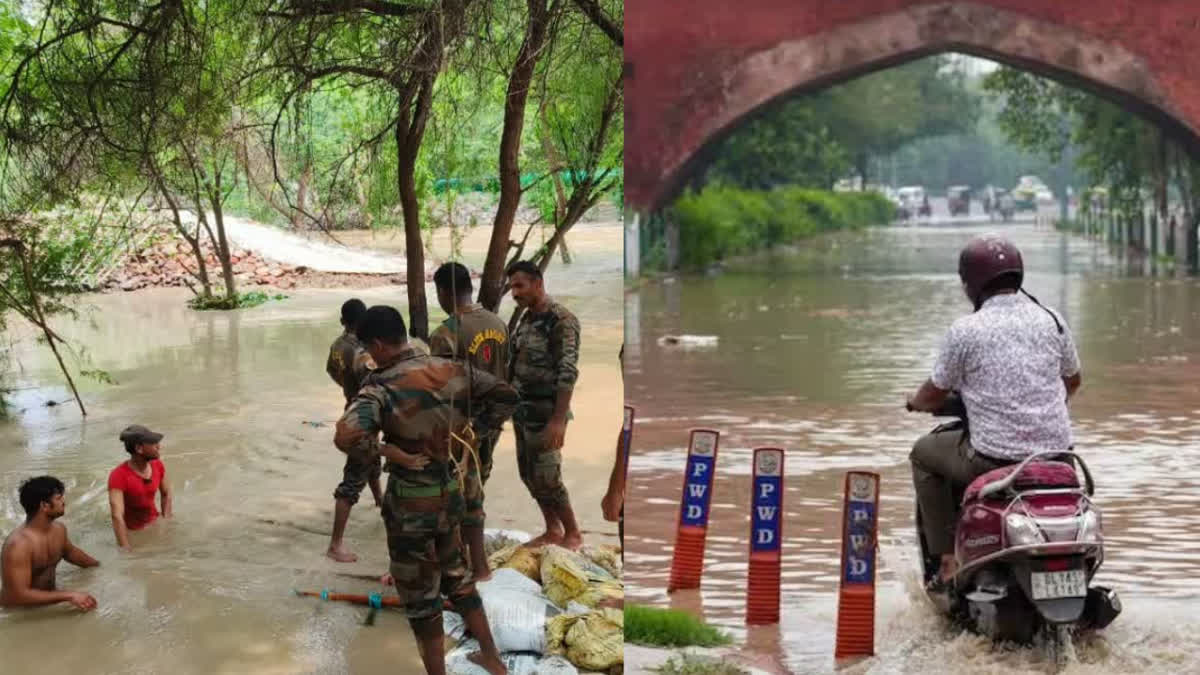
x: 136, y: 433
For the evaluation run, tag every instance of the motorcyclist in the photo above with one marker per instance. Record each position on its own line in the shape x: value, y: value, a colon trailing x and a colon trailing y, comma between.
x: 1007, y: 206
x: 1014, y: 363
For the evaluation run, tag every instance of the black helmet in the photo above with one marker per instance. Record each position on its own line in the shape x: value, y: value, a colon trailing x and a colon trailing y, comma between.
x: 985, y: 259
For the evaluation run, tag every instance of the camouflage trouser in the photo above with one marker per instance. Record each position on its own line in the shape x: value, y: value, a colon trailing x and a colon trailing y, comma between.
x: 477, y: 477
x: 540, y: 467
x: 425, y: 546
x: 355, y: 475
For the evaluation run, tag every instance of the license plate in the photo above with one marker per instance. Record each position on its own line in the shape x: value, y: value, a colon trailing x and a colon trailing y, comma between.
x: 1051, y: 585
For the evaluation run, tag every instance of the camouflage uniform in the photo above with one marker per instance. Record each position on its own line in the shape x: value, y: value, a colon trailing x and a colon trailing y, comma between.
x: 348, y: 365
x: 417, y: 401
x: 479, y: 338
x: 542, y: 362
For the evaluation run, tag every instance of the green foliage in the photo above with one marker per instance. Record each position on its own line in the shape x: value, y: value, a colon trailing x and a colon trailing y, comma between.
x: 813, y: 140
x: 102, y: 376
x: 241, y: 301
x: 669, y: 628
x: 694, y: 665
x: 722, y: 221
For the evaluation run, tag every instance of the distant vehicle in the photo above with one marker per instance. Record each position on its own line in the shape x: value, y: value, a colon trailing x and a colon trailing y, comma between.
x: 959, y: 198
x: 1005, y: 206
x: 911, y: 196
x: 1029, y: 192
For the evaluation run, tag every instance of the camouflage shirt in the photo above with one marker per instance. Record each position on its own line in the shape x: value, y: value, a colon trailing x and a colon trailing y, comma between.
x: 544, y: 358
x: 476, y: 335
x: 417, y: 401
x: 348, y: 364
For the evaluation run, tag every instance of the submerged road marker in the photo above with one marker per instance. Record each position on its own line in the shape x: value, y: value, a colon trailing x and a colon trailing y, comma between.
x: 627, y: 436
x: 766, y: 538
x: 687, y: 563
x: 856, y: 598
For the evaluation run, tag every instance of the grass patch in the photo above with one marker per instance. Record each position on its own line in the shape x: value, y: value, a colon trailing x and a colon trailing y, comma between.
x: 240, y: 301
x: 691, y: 665
x: 669, y: 628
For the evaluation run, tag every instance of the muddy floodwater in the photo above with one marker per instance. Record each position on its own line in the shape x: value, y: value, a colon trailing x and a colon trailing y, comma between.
x: 816, y: 351
x: 210, y: 590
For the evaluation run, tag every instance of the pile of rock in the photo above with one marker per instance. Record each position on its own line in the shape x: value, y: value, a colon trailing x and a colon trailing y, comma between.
x: 173, y: 263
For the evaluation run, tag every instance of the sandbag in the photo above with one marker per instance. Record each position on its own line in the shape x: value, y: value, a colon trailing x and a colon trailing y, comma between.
x: 563, y: 575
x: 454, y: 626
x: 499, y: 557
x: 593, y: 641
x: 510, y: 580
x: 495, y: 539
x: 516, y: 611
x: 606, y: 556
x: 526, y: 561
x: 599, y: 591
x: 517, y: 663
x: 568, y: 576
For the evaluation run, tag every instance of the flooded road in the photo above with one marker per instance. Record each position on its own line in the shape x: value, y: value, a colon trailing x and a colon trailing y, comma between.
x: 817, y: 350
x: 210, y: 590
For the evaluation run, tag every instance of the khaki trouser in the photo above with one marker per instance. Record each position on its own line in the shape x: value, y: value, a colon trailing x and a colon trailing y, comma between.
x: 942, y: 461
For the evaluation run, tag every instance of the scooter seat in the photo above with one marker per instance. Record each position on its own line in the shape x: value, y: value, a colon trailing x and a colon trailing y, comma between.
x: 1037, y: 474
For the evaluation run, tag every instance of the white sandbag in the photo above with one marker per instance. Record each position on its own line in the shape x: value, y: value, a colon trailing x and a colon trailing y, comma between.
x: 516, y: 611
x: 507, y: 579
x: 517, y: 663
x: 457, y: 662
x: 454, y: 626
x: 553, y: 665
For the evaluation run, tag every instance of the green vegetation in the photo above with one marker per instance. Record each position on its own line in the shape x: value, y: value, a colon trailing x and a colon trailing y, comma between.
x: 116, y: 117
x: 242, y: 301
x: 1131, y: 164
x: 720, y: 221
x: 669, y: 628
x: 815, y: 140
x: 692, y: 665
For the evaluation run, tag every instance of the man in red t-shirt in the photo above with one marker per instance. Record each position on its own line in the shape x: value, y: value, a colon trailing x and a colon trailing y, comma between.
x: 132, y: 485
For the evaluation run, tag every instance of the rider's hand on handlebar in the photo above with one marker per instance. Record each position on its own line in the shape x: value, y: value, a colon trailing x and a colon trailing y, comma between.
x: 908, y: 405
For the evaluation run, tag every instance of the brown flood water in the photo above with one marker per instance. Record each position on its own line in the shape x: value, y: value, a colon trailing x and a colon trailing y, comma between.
x: 818, y: 348
x: 211, y: 590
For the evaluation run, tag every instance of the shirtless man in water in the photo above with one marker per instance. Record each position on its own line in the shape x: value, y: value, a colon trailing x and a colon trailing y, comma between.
x: 32, y: 551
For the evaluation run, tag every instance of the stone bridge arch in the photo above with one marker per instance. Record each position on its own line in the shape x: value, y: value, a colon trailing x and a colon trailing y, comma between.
x: 696, y: 70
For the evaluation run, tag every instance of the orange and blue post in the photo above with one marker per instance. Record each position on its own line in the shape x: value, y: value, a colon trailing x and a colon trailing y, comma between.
x: 856, y: 597
x: 766, y: 538
x: 627, y: 436
x: 691, y: 531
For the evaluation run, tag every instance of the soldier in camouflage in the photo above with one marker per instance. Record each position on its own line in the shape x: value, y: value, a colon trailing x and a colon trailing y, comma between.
x: 348, y: 365
x: 425, y: 407
x: 479, y: 338
x: 543, y: 366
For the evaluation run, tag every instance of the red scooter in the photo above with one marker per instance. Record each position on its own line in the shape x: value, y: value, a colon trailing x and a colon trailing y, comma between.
x: 1028, y: 542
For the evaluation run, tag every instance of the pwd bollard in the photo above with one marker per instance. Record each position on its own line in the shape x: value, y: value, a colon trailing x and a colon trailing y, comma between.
x: 856, y: 598
x: 766, y: 538
x: 687, y: 563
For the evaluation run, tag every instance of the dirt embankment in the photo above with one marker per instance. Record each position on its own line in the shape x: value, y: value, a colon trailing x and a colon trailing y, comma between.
x: 172, y: 263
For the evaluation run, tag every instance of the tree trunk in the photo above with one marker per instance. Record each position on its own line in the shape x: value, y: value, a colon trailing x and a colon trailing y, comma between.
x: 222, y: 242
x: 410, y: 128
x: 1162, y: 176
x: 193, y: 242
x: 301, y: 194
x: 519, y: 83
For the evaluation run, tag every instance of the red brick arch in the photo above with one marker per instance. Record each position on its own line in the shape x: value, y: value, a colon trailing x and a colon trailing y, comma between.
x: 695, y: 70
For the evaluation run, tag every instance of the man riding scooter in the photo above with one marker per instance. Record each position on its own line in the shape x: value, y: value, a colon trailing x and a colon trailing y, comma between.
x: 1014, y: 363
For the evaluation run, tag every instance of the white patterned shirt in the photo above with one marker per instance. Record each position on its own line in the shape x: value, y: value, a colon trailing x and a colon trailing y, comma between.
x: 1008, y: 361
